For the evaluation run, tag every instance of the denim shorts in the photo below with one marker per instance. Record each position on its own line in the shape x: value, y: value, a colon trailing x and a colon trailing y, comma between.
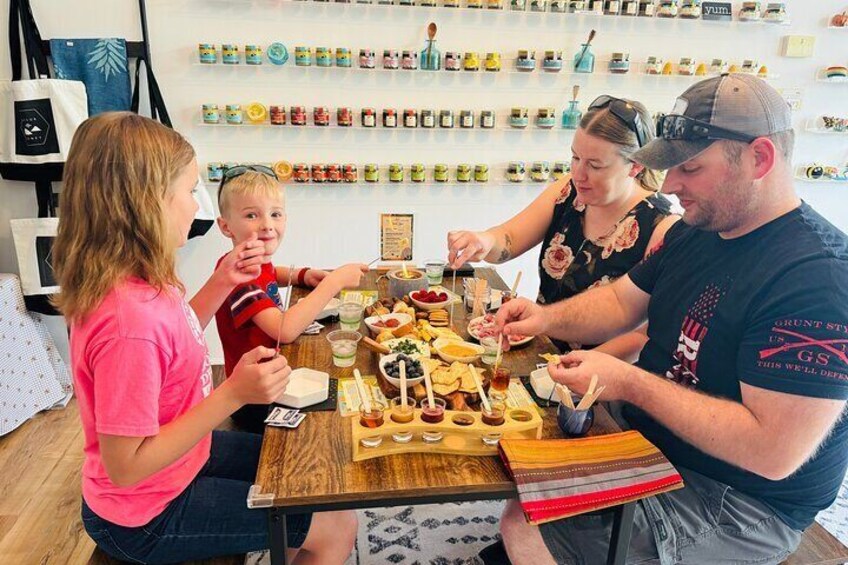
x: 704, y: 522
x: 208, y: 519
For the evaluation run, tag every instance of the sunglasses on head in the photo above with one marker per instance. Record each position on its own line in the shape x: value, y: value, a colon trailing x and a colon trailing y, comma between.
x: 239, y: 170
x: 626, y: 112
x: 675, y: 126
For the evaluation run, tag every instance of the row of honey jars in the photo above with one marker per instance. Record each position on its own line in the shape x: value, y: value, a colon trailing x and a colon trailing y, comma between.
x: 230, y: 55
x: 453, y: 60
x: 321, y: 173
x: 545, y: 118
x: 600, y: 7
x: 215, y: 170
x: 687, y: 66
x: 526, y: 61
x: 519, y: 118
x: 540, y: 171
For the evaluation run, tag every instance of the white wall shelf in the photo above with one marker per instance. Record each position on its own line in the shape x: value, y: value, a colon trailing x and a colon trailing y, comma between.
x: 506, y: 12
x: 637, y: 69
x: 411, y: 131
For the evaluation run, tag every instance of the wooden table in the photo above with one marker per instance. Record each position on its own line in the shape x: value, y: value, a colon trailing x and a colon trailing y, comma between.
x: 310, y: 469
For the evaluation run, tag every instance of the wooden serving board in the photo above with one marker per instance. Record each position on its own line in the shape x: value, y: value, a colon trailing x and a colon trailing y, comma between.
x: 457, y: 439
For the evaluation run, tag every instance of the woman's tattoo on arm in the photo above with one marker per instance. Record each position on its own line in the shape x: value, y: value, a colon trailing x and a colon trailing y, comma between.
x: 506, y: 252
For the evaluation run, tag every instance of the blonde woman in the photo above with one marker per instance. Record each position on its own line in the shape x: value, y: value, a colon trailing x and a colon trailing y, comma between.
x: 159, y: 486
x: 594, y: 224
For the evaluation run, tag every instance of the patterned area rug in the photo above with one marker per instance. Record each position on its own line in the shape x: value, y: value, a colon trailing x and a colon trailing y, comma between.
x: 835, y: 518
x: 437, y: 534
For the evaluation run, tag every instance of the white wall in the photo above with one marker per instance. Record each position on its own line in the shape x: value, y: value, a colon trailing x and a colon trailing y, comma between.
x: 329, y: 226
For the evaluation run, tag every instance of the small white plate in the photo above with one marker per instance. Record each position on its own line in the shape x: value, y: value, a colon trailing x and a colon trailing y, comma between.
x: 331, y: 309
x: 400, y: 317
x: 543, y: 384
x: 306, y: 387
x: 512, y: 342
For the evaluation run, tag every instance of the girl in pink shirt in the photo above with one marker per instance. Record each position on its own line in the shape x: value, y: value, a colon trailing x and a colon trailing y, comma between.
x: 159, y: 485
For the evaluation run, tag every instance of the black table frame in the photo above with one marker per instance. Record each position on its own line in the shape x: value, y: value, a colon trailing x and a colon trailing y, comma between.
x: 622, y: 526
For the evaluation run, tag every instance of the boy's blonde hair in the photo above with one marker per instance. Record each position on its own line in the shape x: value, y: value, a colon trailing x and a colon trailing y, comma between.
x: 248, y: 183
x: 120, y: 169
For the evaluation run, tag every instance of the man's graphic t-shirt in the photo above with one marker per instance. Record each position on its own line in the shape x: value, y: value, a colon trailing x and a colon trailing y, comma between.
x: 769, y: 309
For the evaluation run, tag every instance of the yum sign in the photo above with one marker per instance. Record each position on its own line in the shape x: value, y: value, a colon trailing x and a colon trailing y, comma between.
x: 717, y: 10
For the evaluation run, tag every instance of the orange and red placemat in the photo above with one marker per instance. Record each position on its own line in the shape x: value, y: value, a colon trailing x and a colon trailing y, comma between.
x: 558, y: 478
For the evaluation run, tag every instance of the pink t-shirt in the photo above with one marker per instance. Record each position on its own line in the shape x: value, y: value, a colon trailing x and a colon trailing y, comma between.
x: 139, y: 361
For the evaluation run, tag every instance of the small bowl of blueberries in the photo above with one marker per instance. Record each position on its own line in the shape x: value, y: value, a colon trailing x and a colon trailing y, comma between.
x: 390, y: 369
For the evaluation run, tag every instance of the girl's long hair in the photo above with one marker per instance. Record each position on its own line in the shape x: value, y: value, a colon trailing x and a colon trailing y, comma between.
x: 113, y: 223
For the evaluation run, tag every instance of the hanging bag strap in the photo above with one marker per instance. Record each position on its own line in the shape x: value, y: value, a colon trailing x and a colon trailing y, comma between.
x: 22, y: 23
x: 156, y: 97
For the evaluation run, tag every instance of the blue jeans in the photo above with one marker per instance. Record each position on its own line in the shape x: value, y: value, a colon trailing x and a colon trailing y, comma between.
x: 209, y: 519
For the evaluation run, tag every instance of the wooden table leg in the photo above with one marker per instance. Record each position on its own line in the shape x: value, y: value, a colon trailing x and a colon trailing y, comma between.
x: 622, y: 528
x: 277, y: 536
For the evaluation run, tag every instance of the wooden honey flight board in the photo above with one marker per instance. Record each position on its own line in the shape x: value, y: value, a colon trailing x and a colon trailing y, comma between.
x: 519, y: 423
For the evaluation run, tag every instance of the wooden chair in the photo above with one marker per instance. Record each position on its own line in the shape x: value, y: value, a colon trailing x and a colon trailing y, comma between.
x: 100, y: 558
x: 818, y: 547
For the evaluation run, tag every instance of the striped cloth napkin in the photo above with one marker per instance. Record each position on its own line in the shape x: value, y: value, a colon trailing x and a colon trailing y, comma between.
x: 558, y: 478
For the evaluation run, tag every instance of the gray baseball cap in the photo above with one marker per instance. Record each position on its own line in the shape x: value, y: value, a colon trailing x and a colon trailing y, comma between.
x: 736, y: 106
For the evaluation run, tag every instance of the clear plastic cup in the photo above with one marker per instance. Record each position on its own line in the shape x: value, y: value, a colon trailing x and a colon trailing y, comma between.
x: 493, y: 417
x: 402, y: 414
x: 372, y: 420
x: 433, y: 415
x: 490, y: 350
x: 435, y: 270
x: 350, y: 315
x: 343, y: 344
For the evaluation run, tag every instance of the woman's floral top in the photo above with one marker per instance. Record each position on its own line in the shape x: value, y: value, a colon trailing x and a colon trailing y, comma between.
x: 569, y: 263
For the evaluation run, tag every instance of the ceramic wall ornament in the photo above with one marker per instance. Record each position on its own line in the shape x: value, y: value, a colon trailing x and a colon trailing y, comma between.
x: 277, y: 53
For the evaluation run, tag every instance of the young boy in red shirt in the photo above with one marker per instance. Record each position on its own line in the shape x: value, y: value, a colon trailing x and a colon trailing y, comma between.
x: 252, y: 206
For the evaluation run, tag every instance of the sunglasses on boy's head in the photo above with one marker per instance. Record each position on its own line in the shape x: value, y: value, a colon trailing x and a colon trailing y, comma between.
x: 624, y: 111
x: 239, y: 170
x: 675, y: 126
